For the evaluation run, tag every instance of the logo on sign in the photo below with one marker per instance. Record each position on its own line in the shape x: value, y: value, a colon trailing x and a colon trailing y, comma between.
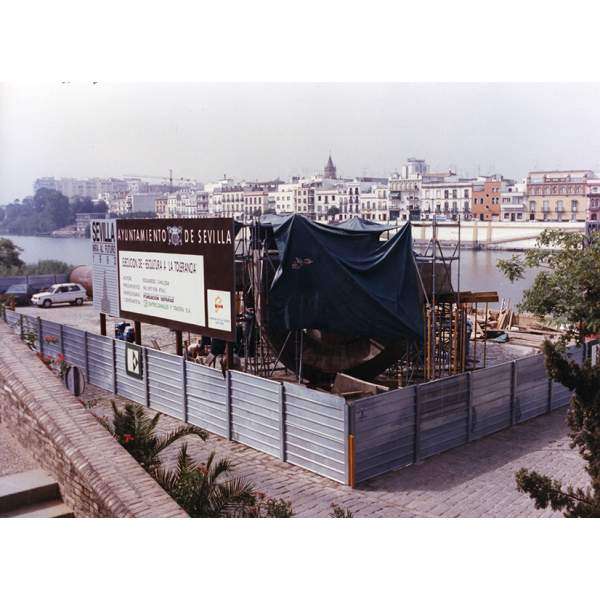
x: 133, y: 361
x: 175, y: 236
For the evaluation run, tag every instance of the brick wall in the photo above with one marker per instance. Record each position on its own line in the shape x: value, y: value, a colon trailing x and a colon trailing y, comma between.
x: 97, y: 477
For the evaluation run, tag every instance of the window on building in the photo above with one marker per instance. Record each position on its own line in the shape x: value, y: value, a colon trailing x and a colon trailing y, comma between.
x: 446, y: 194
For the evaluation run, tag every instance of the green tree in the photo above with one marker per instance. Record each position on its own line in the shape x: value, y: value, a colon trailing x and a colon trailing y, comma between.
x: 584, y: 421
x: 567, y: 286
x: 9, y: 256
x: 136, y: 432
x: 567, y: 289
x: 332, y: 211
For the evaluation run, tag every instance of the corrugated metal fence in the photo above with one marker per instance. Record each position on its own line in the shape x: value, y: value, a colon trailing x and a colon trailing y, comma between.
x: 404, y: 426
x: 293, y: 423
x: 36, y: 281
x: 348, y: 442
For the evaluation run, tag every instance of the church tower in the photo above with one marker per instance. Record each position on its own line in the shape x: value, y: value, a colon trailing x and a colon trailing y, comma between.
x: 330, y: 170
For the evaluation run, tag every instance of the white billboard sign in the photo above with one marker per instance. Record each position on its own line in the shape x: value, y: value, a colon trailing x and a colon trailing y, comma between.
x: 164, y: 286
x: 103, y: 236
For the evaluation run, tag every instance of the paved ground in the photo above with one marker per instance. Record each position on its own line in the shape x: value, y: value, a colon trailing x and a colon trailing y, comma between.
x: 476, y: 480
x: 13, y: 457
x: 85, y: 317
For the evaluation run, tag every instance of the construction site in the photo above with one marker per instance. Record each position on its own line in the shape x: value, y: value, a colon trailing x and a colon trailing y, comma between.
x: 354, y: 309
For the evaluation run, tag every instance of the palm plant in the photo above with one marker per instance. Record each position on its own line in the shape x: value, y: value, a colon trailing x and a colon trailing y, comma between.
x: 136, y: 432
x: 207, y: 489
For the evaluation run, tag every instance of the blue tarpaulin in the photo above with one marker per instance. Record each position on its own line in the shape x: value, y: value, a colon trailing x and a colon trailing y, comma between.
x: 345, y: 281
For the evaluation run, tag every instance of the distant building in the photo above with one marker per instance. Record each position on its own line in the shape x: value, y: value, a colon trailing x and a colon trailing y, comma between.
x: 593, y: 199
x: 350, y: 196
x: 330, y: 172
x: 513, y: 201
x: 446, y: 194
x: 485, y: 205
x: 327, y: 205
x: 558, y: 195
x: 82, y: 221
x: 405, y: 189
x: 375, y: 205
x: 87, y: 188
x: 256, y: 203
x: 160, y: 207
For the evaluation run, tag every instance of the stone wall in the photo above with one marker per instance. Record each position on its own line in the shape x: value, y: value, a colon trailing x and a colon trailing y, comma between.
x: 97, y: 477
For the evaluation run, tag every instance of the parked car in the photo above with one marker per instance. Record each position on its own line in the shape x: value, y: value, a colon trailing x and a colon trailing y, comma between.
x: 61, y: 293
x: 21, y: 292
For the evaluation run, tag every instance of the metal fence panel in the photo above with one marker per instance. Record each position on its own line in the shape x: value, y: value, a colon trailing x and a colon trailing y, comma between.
x: 384, y: 431
x: 6, y: 282
x: 444, y: 415
x: 127, y: 386
x: 12, y: 318
x: 51, y: 338
x: 207, y: 397
x: 165, y: 383
x: 30, y: 325
x: 99, y: 350
x: 532, y: 392
x: 314, y: 428
x: 255, y: 412
x: 36, y: 281
x: 491, y: 391
x: 74, y: 346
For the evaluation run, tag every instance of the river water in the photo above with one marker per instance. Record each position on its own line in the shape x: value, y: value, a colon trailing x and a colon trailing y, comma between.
x: 478, y: 270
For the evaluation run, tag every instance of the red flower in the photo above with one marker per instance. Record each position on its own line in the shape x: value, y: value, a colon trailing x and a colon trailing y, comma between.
x: 128, y: 438
x: 60, y: 357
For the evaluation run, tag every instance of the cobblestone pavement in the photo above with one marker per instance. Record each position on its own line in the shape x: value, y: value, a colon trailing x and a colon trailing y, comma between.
x: 476, y: 480
x: 13, y: 457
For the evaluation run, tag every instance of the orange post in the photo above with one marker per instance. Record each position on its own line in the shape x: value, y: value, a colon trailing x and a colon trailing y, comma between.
x: 351, y: 477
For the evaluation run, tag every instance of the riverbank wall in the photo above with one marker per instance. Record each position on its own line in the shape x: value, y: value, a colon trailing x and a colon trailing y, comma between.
x: 488, y: 235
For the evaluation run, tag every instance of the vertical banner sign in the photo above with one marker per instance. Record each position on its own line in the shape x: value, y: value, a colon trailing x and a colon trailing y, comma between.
x: 178, y: 273
x: 103, y: 234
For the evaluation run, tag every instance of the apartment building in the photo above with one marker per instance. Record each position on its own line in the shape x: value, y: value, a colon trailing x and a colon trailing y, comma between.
x: 374, y: 204
x: 351, y: 193
x: 405, y: 189
x: 232, y: 201
x: 304, y: 199
x: 558, y: 195
x: 256, y: 203
x: 160, y: 207
x: 327, y: 204
x: 283, y: 198
x: 446, y: 194
x: 593, y: 199
x: 513, y: 201
x: 90, y: 188
x: 486, y: 196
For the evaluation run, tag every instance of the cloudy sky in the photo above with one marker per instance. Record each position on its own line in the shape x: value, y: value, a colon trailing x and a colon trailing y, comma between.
x: 258, y: 131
